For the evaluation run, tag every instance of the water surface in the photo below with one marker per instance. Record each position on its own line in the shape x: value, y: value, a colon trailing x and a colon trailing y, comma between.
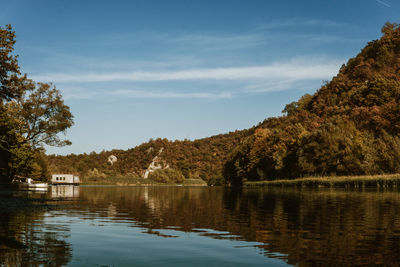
x: 199, y: 226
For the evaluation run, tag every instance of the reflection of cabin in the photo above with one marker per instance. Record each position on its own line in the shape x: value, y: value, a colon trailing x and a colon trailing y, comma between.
x: 65, y: 179
x: 65, y: 191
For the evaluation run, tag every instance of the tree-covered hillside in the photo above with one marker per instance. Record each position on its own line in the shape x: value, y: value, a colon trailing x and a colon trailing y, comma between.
x: 350, y: 126
x: 202, y: 158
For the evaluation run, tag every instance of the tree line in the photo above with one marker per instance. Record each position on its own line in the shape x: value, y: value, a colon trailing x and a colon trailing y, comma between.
x: 202, y: 158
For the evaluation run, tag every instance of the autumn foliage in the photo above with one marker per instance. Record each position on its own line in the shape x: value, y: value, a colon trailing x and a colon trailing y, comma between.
x: 350, y: 126
x: 201, y: 158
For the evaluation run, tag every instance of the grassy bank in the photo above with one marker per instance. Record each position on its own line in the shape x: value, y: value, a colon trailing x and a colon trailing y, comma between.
x: 386, y: 180
x: 117, y: 180
x: 135, y: 181
x: 194, y: 182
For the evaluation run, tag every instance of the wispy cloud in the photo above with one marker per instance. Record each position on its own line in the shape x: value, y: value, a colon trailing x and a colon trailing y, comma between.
x: 148, y: 92
x: 295, y: 22
x: 210, y: 83
x: 295, y: 69
x: 154, y: 94
x: 271, y: 86
x: 383, y: 3
x: 218, y: 42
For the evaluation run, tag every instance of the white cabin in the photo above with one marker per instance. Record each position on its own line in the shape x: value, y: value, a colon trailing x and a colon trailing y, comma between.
x: 65, y: 179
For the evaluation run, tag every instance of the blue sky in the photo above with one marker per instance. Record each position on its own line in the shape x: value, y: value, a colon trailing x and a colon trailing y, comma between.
x: 135, y: 70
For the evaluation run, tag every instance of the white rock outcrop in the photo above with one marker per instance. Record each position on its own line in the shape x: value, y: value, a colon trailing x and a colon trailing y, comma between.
x: 156, y: 163
x: 112, y: 159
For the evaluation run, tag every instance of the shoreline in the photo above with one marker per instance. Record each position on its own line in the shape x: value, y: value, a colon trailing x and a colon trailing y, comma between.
x: 382, y: 180
x: 127, y: 181
x: 139, y: 185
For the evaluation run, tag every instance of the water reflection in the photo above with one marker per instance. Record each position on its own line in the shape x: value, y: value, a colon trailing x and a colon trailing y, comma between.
x: 64, y: 191
x: 24, y: 241
x: 299, y: 227
x: 321, y: 227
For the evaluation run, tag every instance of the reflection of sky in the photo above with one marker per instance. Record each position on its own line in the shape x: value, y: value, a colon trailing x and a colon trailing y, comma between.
x: 134, y: 70
x: 101, y: 241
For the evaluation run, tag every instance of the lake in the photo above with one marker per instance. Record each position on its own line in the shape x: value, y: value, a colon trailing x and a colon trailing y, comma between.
x: 204, y: 226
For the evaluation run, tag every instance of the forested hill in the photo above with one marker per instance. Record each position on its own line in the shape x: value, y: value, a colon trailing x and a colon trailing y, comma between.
x: 350, y: 126
x: 202, y: 158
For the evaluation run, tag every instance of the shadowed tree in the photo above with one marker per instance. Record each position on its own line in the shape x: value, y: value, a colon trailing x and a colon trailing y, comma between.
x: 16, y: 154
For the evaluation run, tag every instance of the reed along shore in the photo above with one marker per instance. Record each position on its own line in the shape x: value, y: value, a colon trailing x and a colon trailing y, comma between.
x: 384, y: 181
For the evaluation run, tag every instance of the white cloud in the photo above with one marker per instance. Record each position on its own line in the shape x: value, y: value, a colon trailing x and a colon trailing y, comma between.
x: 291, y: 70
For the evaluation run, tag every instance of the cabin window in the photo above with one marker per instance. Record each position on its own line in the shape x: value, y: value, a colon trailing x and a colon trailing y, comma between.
x: 56, y: 178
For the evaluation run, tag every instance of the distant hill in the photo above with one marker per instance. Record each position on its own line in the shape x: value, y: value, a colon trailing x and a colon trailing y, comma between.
x: 350, y: 126
x: 202, y: 158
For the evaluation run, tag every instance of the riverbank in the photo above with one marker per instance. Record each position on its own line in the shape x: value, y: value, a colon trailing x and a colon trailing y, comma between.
x: 385, y: 180
x: 135, y: 181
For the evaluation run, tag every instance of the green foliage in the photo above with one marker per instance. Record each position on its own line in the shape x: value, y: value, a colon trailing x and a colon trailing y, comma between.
x: 8, y: 64
x: 94, y: 173
x: 42, y: 113
x: 15, y: 152
x: 333, y: 149
x: 169, y: 176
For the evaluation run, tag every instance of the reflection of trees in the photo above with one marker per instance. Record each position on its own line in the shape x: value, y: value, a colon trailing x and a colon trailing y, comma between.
x: 24, y: 242
x: 302, y: 227
x: 328, y: 227
x: 158, y: 207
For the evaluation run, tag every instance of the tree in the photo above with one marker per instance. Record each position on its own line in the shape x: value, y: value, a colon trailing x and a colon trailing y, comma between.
x: 16, y: 154
x: 9, y: 68
x: 334, y: 148
x: 41, y: 112
x: 31, y: 114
